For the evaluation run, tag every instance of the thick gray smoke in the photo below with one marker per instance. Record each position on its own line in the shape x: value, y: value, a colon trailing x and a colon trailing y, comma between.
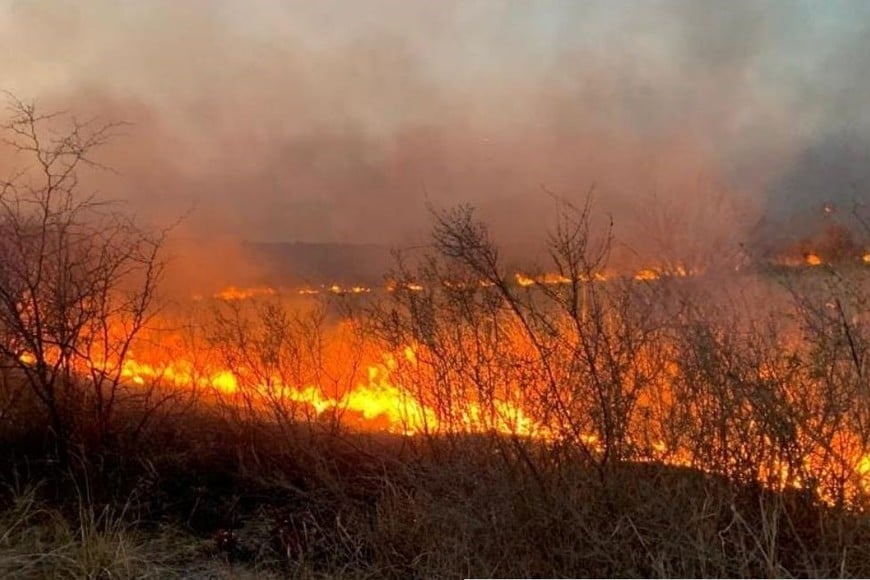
x: 337, y: 121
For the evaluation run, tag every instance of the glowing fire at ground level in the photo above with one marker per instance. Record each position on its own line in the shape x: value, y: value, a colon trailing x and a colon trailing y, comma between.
x: 368, y: 391
x: 375, y: 399
x: 521, y: 279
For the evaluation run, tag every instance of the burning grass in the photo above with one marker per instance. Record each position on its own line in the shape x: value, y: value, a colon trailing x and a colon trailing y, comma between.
x: 442, y: 433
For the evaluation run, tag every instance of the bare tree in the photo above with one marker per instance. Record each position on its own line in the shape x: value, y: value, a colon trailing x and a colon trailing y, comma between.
x: 77, y: 276
x: 574, y: 353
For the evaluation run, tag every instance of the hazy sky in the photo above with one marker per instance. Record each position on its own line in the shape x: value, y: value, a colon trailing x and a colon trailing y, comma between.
x: 336, y: 120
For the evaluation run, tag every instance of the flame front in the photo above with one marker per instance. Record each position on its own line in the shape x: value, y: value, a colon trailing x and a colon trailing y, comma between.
x: 375, y: 399
x: 232, y: 293
x: 403, y: 391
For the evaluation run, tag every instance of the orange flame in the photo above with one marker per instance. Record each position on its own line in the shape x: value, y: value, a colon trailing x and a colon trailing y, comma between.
x: 524, y: 280
x: 378, y: 398
x: 812, y: 259
x: 646, y: 275
x: 375, y: 398
x: 232, y: 293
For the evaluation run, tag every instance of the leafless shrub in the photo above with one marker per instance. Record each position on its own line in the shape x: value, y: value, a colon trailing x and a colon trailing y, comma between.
x: 577, y: 356
x: 285, y: 363
x: 78, y: 276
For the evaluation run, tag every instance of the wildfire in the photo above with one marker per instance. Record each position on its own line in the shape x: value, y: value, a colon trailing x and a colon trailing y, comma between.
x: 678, y: 271
x: 337, y: 289
x: 379, y: 395
x: 524, y: 280
x: 647, y: 274
x: 555, y: 279
x: 392, y: 286
x: 235, y: 293
x: 232, y: 293
x: 376, y: 399
x: 814, y: 259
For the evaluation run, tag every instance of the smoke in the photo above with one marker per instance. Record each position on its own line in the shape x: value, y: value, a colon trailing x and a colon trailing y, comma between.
x: 334, y: 121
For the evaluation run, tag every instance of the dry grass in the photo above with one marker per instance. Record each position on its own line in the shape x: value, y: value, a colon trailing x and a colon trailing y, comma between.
x: 357, y: 506
x: 37, y: 540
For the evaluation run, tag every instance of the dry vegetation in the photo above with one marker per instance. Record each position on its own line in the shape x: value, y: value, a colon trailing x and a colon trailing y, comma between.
x: 683, y: 426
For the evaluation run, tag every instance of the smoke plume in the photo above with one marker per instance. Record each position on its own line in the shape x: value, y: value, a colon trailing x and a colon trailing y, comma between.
x: 335, y: 121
